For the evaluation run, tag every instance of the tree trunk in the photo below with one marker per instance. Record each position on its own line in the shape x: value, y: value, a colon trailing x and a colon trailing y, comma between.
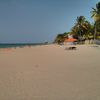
x: 95, y: 32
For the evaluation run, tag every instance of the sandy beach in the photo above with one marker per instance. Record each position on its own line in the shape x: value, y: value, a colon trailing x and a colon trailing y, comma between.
x: 50, y: 72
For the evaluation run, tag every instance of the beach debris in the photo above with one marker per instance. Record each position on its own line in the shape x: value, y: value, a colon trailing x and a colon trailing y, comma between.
x: 70, y: 48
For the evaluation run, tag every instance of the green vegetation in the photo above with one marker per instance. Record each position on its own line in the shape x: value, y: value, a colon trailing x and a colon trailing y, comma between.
x: 83, y: 29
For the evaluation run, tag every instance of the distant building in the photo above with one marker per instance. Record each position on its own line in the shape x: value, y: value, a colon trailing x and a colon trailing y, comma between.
x: 70, y: 36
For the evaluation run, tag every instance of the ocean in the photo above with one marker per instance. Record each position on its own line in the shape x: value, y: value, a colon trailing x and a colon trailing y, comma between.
x: 14, y: 45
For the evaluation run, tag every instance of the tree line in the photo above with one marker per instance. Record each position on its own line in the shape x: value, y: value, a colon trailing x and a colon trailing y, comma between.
x: 83, y: 29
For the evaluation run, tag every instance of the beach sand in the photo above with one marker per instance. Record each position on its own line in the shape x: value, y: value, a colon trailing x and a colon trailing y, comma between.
x: 50, y: 72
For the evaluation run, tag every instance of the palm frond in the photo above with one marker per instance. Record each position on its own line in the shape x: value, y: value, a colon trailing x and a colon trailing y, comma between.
x: 92, y: 15
x: 94, y: 9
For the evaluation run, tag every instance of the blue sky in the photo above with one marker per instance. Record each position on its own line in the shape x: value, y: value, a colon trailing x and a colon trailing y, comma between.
x: 40, y: 20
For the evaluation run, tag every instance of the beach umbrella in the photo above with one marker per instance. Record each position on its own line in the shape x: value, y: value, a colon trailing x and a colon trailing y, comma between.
x: 71, y: 40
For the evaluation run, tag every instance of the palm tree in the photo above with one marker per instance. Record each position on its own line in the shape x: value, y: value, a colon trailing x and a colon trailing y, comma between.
x: 96, y: 15
x: 96, y: 12
x: 88, y: 30
x: 80, y: 20
x: 81, y: 27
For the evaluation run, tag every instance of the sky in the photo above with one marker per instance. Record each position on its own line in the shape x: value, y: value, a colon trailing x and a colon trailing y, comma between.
x: 35, y: 21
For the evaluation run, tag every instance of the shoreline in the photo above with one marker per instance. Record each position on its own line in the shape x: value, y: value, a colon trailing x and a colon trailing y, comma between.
x: 21, y: 45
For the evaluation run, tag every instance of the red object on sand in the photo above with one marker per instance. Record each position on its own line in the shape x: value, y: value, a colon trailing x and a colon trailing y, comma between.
x: 71, y: 40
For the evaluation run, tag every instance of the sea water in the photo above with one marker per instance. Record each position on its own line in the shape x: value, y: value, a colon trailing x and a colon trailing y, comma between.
x: 14, y: 45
